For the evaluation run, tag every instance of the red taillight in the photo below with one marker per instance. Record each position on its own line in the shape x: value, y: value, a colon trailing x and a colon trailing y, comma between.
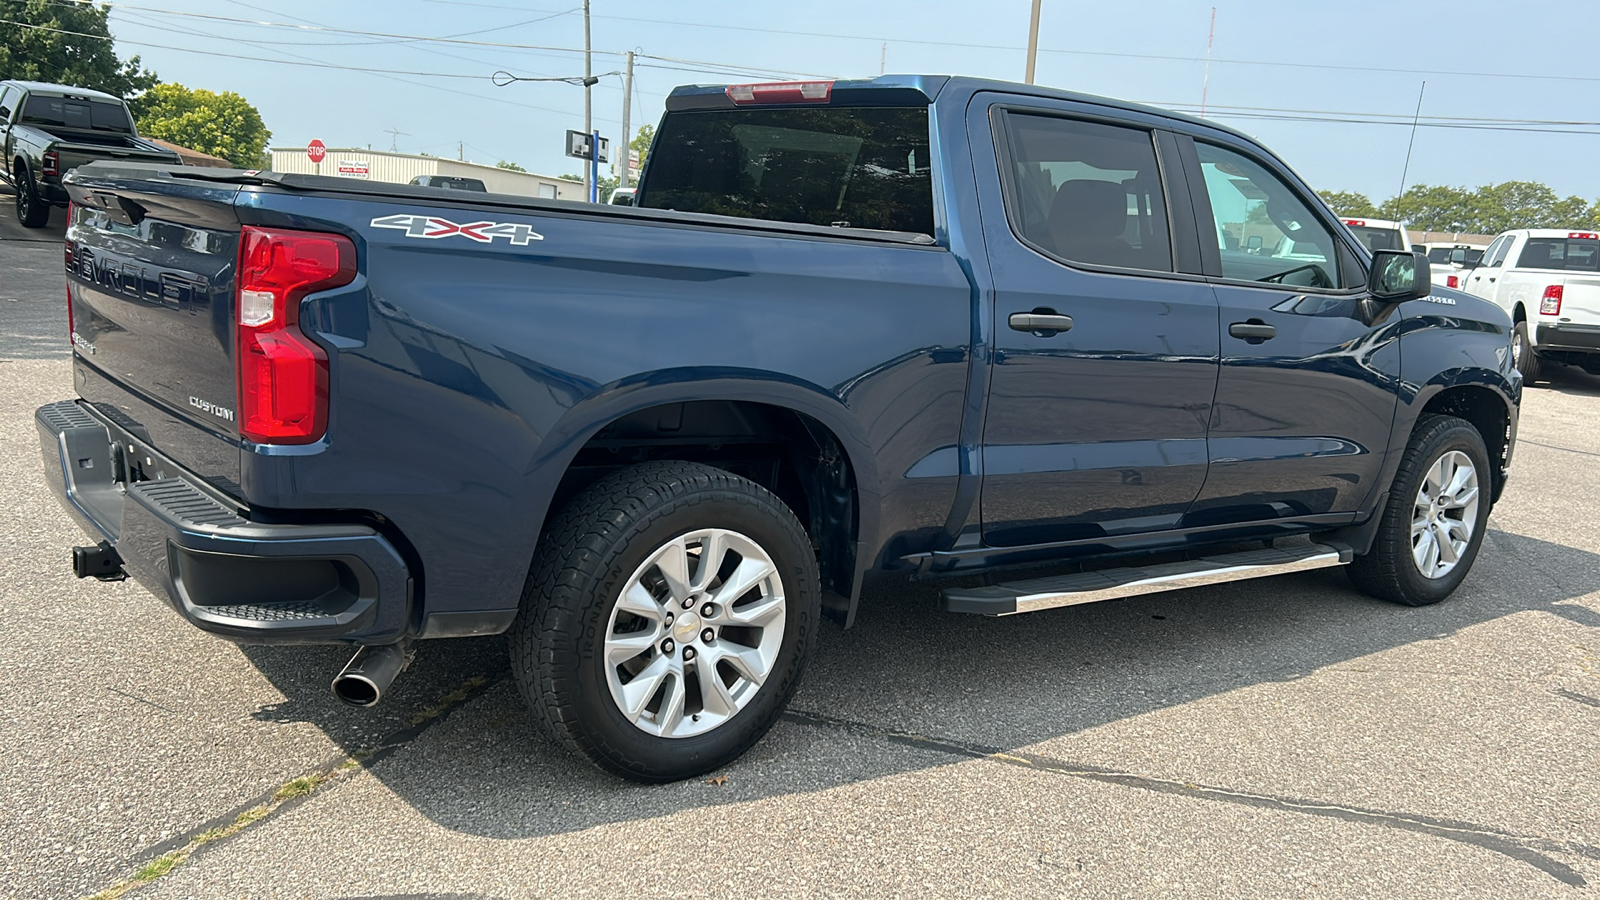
x: 283, y: 376
x: 1356, y: 222
x: 780, y: 92
x: 1584, y: 235
x: 52, y: 163
x: 1452, y: 281
x: 1550, y: 304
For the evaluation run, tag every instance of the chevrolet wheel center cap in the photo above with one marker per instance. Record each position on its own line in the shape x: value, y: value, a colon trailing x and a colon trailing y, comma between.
x: 686, y: 628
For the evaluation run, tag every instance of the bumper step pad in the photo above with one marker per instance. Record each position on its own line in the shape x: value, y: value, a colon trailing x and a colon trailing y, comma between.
x: 1034, y: 594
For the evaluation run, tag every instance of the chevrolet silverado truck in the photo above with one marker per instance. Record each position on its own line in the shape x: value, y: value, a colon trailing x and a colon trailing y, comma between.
x: 47, y: 130
x: 911, y: 327
x: 1548, y: 281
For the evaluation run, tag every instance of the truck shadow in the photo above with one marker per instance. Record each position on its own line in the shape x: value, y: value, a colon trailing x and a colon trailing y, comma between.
x: 1571, y: 380
x: 906, y: 668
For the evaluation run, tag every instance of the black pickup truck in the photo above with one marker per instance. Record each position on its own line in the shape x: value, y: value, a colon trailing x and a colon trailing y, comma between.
x: 47, y: 130
x: 918, y: 326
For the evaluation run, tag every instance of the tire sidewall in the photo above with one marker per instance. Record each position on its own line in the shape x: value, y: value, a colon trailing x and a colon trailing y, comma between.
x: 1528, y: 361
x: 1463, y: 437
x: 716, y: 508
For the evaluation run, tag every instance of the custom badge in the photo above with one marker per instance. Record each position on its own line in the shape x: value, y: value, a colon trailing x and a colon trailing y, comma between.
x: 433, y: 228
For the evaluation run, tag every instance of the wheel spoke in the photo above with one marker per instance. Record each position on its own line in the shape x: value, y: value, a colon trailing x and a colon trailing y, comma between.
x: 1447, y: 549
x: 713, y: 549
x: 714, y: 695
x: 1425, y: 548
x: 1458, y: 530
x: 748, y: 574
x: 621, y: 648
x: 670, y: 714
x: 638, y: 600
x: 637, y: 693
x: 756, y: 614
x: 1458, y: 480
x: 672, y: 561
x: 1462, y: 499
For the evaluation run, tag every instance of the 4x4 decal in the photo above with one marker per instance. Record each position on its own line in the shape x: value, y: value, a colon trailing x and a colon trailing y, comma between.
x: 433, y: 228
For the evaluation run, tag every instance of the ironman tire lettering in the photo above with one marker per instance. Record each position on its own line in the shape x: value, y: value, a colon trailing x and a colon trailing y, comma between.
x: 433, y: 228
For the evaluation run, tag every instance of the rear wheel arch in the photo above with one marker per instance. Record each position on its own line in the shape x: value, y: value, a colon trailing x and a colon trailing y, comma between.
x: 1519, y: 314
x: 807, y: 462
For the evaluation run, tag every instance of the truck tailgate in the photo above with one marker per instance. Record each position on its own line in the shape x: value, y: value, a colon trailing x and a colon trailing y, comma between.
x: 150, y: 277
x: 1580, y: 299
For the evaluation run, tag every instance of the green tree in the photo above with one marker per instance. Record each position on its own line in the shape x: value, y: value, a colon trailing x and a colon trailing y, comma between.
x: 1527, y: 204
x: 1435, y: 208
x: 224, y: 124
x: 507, y: 164
x: 1349, y: 203
x: 66, y: 43
x: 641, y: 142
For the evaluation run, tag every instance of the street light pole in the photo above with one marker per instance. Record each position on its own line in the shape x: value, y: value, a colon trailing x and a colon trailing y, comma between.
x: 588, y: 106
x: 1033, y: 40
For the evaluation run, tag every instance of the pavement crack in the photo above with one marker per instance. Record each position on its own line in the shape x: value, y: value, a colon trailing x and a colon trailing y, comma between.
x: 1529, y: 849
x: 1555, y: 447
x: 1585, y: 699
x: 169, y: 854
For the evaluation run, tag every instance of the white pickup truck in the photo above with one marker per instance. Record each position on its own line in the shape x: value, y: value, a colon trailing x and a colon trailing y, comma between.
x: 1548, y: 279
x: 1379, y: 234
x: 1450, y: 264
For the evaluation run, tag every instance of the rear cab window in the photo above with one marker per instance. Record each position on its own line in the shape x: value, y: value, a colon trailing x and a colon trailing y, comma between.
x: 1377, y: 238
x: 845, y: 167
x: 84, y: 115
x: 1573, y: 253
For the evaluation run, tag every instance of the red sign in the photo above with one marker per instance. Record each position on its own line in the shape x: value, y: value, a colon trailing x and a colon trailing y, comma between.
x: 316, y: 150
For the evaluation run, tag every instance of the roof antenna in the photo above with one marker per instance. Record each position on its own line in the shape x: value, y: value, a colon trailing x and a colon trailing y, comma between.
x: 1205, y: 84
x: 394, y: 145
x: 1414, y: 120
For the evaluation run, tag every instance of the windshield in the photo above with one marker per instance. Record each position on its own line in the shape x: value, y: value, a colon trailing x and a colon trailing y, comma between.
x: 1378, y: 238
x: 849, y: 167
x: 1568, y: 254
x: 85, y: 115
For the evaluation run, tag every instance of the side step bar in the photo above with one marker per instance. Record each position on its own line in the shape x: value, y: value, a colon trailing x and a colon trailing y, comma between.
x: 1109, y: 584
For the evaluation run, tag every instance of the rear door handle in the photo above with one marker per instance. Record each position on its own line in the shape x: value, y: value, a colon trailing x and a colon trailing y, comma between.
x: 1033, y: 321
x: 1254, y: 330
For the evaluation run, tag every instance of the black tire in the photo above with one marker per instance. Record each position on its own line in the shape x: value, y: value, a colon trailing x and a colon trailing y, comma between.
x: 1388, y: 571
x: 32, y: 212
x: 584, y: 560
x: 1524, y: 356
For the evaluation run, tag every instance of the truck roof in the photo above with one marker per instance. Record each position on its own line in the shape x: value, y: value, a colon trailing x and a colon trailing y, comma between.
x: 37, y: 87
x: 1556, y: 232
x: 906, y: 90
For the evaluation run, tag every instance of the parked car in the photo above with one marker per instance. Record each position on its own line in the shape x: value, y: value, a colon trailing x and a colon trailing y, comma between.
x: 622, y: 197
x: 451, y: 182
x: 1548, y: 280
x: 1449, y: 263
x: 922, y: 326
x: 47, y: 130
x: 1380, y: 234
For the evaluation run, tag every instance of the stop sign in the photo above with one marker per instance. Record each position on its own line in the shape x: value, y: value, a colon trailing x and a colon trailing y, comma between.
x: 316, y: 150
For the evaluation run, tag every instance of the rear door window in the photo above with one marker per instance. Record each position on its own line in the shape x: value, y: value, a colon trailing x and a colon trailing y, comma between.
x: 848, y: 167
x: 1567, y: 254
x: 1087, y: 192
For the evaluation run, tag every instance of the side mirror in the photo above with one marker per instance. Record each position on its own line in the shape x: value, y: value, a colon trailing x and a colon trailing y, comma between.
x: 1397, y: 275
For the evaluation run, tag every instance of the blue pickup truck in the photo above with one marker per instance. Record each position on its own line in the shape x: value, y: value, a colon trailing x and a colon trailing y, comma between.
x: 919, y: 325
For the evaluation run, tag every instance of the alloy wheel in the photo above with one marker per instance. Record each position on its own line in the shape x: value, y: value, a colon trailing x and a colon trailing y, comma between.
x: 1444, y: 514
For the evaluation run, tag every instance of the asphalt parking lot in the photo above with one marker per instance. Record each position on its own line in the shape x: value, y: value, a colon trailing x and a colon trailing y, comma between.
x: 1284, y: 737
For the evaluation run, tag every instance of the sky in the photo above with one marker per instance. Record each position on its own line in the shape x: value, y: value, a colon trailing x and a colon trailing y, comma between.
x: 1299, y: 64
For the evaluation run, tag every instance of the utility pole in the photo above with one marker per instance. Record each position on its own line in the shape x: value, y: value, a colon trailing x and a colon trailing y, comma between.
x: 461, y: 153
x: 1033, y: 41
x: 627, y: 136
x: 588, y: 106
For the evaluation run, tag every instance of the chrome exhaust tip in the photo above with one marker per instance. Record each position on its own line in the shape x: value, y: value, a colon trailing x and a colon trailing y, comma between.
x: 366, y: 678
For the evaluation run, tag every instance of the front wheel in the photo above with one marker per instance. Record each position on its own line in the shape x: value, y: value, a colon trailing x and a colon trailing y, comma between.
x: 669, y: 612
x: 1434, y: 521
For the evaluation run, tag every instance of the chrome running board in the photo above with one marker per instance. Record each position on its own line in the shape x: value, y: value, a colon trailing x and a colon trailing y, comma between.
x: 1110, y: 584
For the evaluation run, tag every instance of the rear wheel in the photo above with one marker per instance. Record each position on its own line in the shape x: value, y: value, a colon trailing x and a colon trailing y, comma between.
x: 1523, y: 356
x: 32, y: 212
x: 1434, y: 521
x: 667, y: 617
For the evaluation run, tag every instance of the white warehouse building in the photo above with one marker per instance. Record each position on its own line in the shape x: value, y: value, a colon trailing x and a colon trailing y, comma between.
x: 400, y: 168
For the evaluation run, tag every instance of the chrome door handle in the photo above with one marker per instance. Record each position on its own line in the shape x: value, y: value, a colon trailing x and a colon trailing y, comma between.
x: 1034, y: 321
